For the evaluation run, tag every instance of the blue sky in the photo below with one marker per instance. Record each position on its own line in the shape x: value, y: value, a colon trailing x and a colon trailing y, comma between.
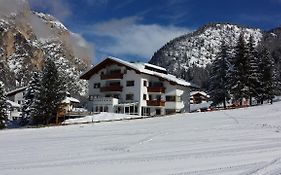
x: 135, y: 29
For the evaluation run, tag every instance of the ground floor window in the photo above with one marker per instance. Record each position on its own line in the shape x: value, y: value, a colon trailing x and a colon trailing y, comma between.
x: 158, y: 111
x: 145, y: 111
x: 129, y: 109
x: 101, y: 109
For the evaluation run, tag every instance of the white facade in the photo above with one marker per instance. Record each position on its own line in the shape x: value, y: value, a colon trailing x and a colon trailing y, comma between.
x: 15, y: 101
x: 14, y: 112
x: 135, y: 88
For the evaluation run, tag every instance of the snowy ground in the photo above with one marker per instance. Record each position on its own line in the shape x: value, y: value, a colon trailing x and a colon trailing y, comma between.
x: 240, y: 142
x: 102, y: 117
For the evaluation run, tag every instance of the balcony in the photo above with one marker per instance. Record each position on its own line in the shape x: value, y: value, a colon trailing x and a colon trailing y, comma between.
x: 111, y: 76
x: 156, y: 89
x: 111, y: 89
x: 155, y: 103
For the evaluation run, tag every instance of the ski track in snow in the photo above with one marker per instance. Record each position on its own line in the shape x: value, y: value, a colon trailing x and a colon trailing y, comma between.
x: 233, y: 142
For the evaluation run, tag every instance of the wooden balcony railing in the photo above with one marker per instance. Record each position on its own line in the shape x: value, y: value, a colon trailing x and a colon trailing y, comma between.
x: 155, y: 103
x: 112, y: 76
x: 156, y: 89
x: 111, y: 89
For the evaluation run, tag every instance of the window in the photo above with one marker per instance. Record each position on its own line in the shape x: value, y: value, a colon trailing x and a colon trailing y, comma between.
x: 127, y: 110
x: 158, y: 97
x: 173, y: 98
x: 144, y: 96
x: 116, y: 96
x: 129, y: 96
x: 170, y: 98
x: 130, y: 83
x: 106, y: 109
x: 96, y: 85
x: 91, y: 98
x: 117, y: 71
x: 114, y: 83
x: 158, y: 111
x: 144, y: 83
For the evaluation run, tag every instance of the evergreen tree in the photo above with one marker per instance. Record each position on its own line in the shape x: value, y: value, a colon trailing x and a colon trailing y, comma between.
x: 267, y: 79
x: 3, y: 107
x: 218, y: 80
x: 30, y: 97
x: 238, y: 72
x: 50, y: 95
x: 253, y: 70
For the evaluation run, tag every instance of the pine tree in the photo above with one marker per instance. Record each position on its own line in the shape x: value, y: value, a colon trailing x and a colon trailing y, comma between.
x: 238, y: 72
x: 3, y: 107
x: 253, y: 71
x: 50, y: 95
x: 218, y: 81
x: 30, y: 96
x: 267, y: 79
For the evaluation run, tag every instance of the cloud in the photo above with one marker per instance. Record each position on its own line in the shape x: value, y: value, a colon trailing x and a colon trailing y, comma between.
x: 58, y: 8
x: 12, y: 6
x: 81, y: 48
x: 128, y: 37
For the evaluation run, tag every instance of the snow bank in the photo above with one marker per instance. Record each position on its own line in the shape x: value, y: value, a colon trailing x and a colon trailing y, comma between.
x: 102, y: 117
x: 203, y: 105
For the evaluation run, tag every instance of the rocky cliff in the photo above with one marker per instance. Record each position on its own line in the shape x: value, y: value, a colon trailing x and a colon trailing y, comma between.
x: 28, y: 37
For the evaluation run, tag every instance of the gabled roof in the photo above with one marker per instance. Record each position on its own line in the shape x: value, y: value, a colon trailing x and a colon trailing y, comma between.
x: 200, y: 93
x: 13, y: 104
x: 68, y: 100
x: 138, y: 67
x: 15, y: 91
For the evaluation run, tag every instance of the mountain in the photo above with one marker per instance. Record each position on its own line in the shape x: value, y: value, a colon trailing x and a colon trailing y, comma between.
x: 272, y: 40
x: 28, y: 37
x: 190, y: 55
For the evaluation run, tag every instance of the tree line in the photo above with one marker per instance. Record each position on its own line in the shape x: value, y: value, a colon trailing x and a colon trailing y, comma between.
x: 43, y: 96
x: 247, y: 73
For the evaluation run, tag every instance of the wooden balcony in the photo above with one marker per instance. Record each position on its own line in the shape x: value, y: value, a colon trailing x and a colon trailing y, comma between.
x: 155, y: 103
x: 156, y: 89
x: 112, y: 76
x: 111, y: 89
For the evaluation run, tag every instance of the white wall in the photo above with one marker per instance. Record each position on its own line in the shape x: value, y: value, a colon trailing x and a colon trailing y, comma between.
x: 138, y: 90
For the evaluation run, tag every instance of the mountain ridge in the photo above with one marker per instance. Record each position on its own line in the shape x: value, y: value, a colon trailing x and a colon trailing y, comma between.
x: 28, y: 37
x: 189, y: 56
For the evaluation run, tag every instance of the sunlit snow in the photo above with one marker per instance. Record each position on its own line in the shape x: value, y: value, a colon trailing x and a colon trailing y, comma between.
x: 242, y: 141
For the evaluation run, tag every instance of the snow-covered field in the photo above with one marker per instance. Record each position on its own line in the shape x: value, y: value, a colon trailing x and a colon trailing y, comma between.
x: 242, y: 142
x: 102, y: 117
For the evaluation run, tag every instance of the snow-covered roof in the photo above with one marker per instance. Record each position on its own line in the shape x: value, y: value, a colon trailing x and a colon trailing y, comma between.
x: 141, y: 67
x: 13, y: 104
x: 15, y: 91
x: 199, y: 92
x: 70, y: 99
x: 155, y: 67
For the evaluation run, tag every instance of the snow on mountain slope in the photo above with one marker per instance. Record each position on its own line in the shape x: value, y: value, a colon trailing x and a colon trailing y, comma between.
x: 240, y: 142
x: 200, y: 47
x: 27, y: 38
